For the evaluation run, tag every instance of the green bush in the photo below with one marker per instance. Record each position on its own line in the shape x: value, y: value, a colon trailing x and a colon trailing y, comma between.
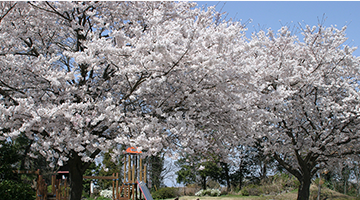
x: 16, y: 190
x: 244, y: 192
x: 165, y: 193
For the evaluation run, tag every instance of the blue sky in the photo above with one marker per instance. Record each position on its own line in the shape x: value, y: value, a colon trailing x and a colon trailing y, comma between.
x: 274, y: 14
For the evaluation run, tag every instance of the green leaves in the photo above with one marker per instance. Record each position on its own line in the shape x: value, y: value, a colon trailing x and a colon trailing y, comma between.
x: 10, y: 189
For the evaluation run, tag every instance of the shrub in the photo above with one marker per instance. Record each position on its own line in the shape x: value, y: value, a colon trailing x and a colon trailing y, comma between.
x: 16, y: 190
x: 209, y: 192
x: 165, y: 193
x: 106, y: 193
x: 191, y: 189
x: 252, y: 190
x: 215, y: 192
x: 244, y: 192
x: 224, y: 191
x: 255, y: 190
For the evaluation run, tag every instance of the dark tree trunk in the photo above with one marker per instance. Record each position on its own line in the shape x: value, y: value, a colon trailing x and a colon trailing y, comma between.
x: 225, y: 167
x: 228, y: 182
x: 241, y: 177
x: 76, y: 177
x: 77, y: 169
x: 304, y: 188
x: 304, y: 173
x: 203, y: 178
x: 263, y: 171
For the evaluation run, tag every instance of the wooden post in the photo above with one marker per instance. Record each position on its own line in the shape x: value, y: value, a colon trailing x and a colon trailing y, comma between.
x: 113, y: 186
x: 145, y: 174
x: 125, y: 159
x: 133, y: 174
x: 133, y: 193
x: 53, y: 184
x: 117, y: 186
x: 129, y: 170
x: 66, y: 190
x: 44, y: 192
x: 38, y: 186
x: 57, y: 190
x: 141, y: 170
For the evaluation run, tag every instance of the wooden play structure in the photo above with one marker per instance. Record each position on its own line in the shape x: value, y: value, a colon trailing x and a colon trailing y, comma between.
x: 135, y: 176
x: 133, y: 185
x: 115, y: 182
x: 59, y: 189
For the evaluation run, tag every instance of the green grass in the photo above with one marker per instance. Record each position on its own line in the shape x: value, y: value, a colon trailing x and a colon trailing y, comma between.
x: 291, y: 195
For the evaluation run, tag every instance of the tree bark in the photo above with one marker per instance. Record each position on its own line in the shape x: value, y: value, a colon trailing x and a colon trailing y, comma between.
x: 304, y: 189
x: 77, y: 169
x: 227, y: 176
x: 203, y: 181
x: 76, y: 176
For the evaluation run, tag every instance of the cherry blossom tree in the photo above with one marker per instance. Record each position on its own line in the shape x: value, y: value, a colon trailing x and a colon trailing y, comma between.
x: 80, y: 78
x: 298, y: 96
x: 306, y: 105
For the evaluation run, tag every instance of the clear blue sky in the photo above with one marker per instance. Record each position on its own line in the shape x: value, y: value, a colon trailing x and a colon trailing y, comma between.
x: 274, y: 14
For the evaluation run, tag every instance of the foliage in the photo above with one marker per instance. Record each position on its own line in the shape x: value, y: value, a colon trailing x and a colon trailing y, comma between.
x: 244, y: 192
x: 187, y: 171
x: 252, y: 190
x: 165, y: 193
x: 92, y: 170
x: 156, y: 167
x: 8, y: 157
x: 195, y: 169
x: 10, y: 189
x: 108, y: 168
x: 106, y: 193
x: 272, y: 185
x: 209, y: 192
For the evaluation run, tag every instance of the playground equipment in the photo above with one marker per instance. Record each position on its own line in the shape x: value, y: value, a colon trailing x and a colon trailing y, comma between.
x: 133, y: 187
x: 134, y: 177
x: 59, y: 189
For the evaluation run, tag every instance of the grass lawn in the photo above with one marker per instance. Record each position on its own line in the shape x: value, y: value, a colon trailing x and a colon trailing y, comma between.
x: 329, y: 194
x: 287, y: 196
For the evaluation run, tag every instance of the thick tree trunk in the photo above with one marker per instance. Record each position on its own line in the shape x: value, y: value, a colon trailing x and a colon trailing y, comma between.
x: 304, y: 173
x: 240, y: 181
x: 263, y: 171
x: 304, y: 189
x: 228, y: 183
x: 227, y: 176
x: 76, y: 177
x: 203, y: 178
